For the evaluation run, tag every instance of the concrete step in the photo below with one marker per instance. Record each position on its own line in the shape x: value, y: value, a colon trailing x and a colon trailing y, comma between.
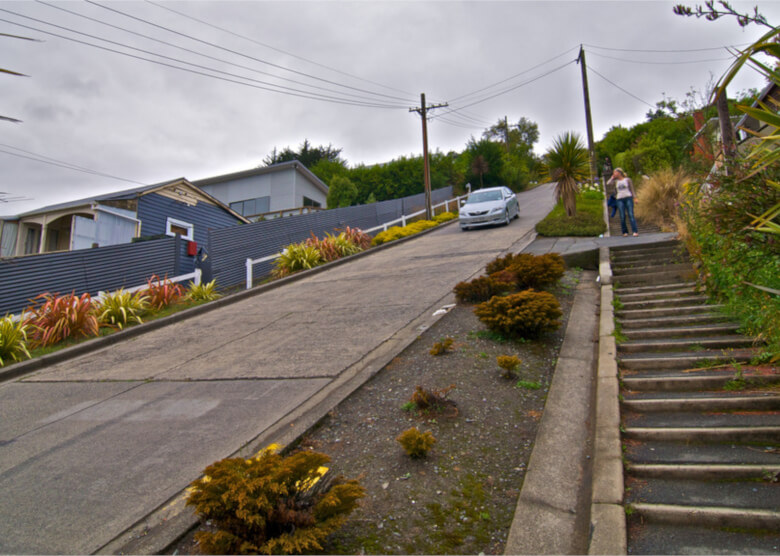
x: 653, y: 278
x: 657, y: 288
x: 710, y: 516
x: 705, y: 471
x: 693, y: 343
x: 735, y: 495
x: 685, y: 359
x: 700, y: 379
x: 639, y: 261
x: 680, y: 320
x: 686, y: 453
x: 706, y: 330
x: 669, y: 301
x: 769, y: 434
x: 717, y: 417
x: 735, y: 402
x: 671, y: 245
x: 657, y: 294
x: 657, y: 537
x: 657, y: 312
x: 651, y: 268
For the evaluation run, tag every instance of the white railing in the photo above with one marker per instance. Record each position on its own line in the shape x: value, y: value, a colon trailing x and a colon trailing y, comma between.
x: 446, y: 204
x: 194, y: 276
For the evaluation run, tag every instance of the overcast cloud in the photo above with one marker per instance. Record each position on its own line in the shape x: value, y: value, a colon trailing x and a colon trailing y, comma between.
x: 149, y: 123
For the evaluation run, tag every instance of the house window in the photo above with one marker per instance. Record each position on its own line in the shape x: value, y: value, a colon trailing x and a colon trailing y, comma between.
x: 311, y: 203
x: 184, y: 229
x: 251, y: 207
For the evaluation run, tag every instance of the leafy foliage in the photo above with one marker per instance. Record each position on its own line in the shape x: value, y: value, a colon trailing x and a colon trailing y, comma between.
x: 587, y: 222
x: 341, y: 192
x: 13, y: 340
x: 527, y: 314
x: 443, y: 346
x: 271, y: 504
x: 567, y: 164
x: 480, y: 289
x: 432, y: 400
x: 416, y: 444
x: 56, y: 318
x: 398, y: 232
x: 162, y: 292
x: 205, y: 291
x: 508, y: 364
x: 537, y: 271
x: 297, y: 257
x: 357, y: 237
x: 120, y: 308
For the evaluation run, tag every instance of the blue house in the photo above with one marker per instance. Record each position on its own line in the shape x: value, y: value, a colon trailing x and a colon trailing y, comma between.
x: 163, y: 209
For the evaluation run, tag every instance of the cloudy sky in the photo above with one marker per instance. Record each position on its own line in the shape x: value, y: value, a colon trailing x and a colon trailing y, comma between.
x: 148, y: 91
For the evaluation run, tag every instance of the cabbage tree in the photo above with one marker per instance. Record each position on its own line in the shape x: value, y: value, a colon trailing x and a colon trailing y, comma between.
x: 567, y: 164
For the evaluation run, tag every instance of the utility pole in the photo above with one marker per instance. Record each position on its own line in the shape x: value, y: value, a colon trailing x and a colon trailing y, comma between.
x: 726, y: 131
x: 588, y: 119
x: 423, y: 111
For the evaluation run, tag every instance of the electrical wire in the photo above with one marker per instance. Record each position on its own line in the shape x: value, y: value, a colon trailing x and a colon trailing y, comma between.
x: 213, y: 45
x: 286, y: 53
x: 591, y: 68
x: 288, y: 90
x: 678, y: 50
x: 660, y: 63
x: 198, y: 53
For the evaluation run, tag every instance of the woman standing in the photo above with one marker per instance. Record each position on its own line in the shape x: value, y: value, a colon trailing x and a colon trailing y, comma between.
x: 625, y: 199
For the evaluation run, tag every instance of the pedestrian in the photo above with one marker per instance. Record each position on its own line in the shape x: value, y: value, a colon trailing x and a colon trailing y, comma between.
x: 624, y: 197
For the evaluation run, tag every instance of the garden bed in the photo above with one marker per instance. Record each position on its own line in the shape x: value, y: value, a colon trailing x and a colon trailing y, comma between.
x: 460, y: 498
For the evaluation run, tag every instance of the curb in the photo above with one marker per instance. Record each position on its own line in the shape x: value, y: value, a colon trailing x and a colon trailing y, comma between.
x: 608, y: 517
x: 15, y: 370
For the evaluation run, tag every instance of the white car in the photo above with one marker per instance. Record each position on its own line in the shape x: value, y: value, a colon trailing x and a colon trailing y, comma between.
x: 485, y: 207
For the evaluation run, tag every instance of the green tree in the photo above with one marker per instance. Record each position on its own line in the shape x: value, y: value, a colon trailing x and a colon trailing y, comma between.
x: 567, y: 163
x: 342, y: 192
x: 489, y: 158
x: 306, y: 155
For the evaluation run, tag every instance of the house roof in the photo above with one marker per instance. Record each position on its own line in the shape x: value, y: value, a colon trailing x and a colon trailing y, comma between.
x: 747, y: 121
x: 126, y: 194
x: 282, y: 166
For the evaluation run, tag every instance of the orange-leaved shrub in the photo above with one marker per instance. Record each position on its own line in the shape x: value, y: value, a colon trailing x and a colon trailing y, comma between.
x: 433, y: 400
x: 527, y: 314
x: 500, y: 263
x: 271, y: 504
x: 416, y: 444
x: 480, y: 289
x: 508, y: 364
x: 537, y: 271
x: 162, y: 292
x: 58, y: 317
x: 443, y: 346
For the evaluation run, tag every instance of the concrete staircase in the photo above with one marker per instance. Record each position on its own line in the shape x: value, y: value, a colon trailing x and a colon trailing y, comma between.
x: 700, y: 426
x: 642, y: 226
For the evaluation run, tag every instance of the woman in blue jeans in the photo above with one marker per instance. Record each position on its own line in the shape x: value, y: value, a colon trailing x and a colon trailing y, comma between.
x: 624, y: 196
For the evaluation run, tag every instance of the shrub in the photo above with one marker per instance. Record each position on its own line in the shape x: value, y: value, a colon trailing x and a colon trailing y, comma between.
x: 57, y: 318
x: 445, y: 217
x: 537, y: 271
x: 203, y: 291
x: 480, y: 289
x: 326, y: 247
x: 357, y: 237
x: 271, y: 504
x: 659, y: 196
x: 500, y: 263
x: 162, y: 292
x: 416, y: 444
x: 296, y: 257
x: 120, y: 308
x: 527, y: 314
x: 442, y: 347
x: 432, y: 400
x: 396, y: 232
x: 509, y: 364
x: 13, y: 340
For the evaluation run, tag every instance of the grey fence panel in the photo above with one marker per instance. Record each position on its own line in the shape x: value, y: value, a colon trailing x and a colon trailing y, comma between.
x: 229, y: 248
x: 86, y: 270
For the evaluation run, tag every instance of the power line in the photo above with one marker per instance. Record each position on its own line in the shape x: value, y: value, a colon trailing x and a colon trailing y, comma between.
x: 213, y: 45
x: 662, y: 63
x: 591, y: 68
x: 677, y: 51
x: 286, y: 53
x: 196, y: 52
x: 295, y: 92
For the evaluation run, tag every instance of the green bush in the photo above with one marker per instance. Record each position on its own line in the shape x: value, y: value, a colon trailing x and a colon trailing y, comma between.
x: 537, y: 271
x: 397, y: 232
x: 13, y: 341
x: 296, y: 257
x: 120, y: 308
x: 203, y: 292
x: 480, y: 289
x: 445, y: 217
x: 588, y: 221
x: 527, y: 314
x: 271, y: 504
x: 416, y: 444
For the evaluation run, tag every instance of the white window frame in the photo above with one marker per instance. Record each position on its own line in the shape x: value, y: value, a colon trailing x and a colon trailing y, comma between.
x: 181, y: 224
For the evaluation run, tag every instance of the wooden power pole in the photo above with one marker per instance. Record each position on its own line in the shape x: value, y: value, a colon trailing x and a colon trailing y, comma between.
x: 588, y: 119
x: 423, y: 111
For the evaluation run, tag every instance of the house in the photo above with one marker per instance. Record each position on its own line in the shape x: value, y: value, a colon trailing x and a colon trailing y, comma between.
x: 168, y: 208
x: 269, y: 191
x: 750, y: 128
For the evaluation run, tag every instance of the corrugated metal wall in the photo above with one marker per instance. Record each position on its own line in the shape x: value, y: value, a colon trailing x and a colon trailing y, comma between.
x: 229, y: 248
x: 87, y: 270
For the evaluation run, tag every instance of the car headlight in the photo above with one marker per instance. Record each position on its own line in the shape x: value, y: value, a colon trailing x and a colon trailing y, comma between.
x: 496, y: 210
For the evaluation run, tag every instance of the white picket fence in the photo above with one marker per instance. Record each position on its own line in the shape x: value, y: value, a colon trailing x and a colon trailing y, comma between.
x: 402, y: 221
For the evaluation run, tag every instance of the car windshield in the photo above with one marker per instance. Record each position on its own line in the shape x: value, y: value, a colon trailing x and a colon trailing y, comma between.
x: 483, y: 196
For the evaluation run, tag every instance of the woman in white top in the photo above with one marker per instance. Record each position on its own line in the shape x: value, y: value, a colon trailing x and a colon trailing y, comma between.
x: 624, y: 196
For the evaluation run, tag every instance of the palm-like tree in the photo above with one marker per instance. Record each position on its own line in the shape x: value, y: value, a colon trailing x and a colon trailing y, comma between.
x: 566, y: 163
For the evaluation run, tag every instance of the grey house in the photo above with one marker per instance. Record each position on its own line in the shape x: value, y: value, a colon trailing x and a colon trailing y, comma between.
x: 168, y: 208
x: 268, y: 192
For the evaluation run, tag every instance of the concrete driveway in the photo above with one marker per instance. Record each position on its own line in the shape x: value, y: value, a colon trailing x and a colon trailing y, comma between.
x: 96, y: 450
